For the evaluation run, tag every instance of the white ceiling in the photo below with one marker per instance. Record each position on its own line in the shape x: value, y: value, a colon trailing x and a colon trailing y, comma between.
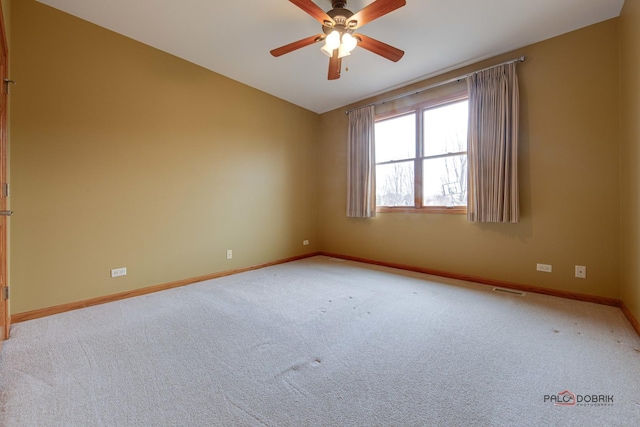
x: 234, y: 37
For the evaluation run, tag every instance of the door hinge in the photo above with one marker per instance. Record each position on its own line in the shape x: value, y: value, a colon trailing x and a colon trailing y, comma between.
x: 7, y: 82
x: 5, y: 189
x: 5, y: 293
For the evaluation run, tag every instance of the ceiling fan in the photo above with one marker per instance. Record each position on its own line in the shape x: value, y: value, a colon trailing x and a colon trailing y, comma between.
x: 339, y: 26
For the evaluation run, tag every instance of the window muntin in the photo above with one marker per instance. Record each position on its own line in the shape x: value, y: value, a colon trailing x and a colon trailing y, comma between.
x: 421, y: 158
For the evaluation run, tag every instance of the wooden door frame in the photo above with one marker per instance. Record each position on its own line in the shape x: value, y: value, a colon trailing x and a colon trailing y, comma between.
x: 4, y: 277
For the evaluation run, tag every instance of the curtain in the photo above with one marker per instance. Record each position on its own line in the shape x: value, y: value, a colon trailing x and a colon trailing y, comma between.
x: 361, y: 164
x: 493, y: 145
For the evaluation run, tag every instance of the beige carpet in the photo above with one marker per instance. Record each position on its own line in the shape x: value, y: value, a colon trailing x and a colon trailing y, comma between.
x: 321, y: 342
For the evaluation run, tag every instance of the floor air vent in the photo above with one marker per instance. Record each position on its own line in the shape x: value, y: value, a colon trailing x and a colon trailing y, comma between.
x: 509, y: 291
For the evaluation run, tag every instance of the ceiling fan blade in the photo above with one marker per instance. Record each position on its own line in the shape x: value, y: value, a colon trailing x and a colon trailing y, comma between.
x: 297, y: 45
x: 374, y: 11
x: 335, y: 66
x: 314, y: 10
x: 382, y: 49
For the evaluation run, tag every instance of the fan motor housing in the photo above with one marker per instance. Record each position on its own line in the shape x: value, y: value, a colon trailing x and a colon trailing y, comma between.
x: 340, y: 17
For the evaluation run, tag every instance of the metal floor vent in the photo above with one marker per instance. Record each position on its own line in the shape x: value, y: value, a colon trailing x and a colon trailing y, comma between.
x: 509, y: 291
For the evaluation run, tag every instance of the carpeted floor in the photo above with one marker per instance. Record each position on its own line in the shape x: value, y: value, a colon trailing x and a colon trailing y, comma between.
x: 322, y: 342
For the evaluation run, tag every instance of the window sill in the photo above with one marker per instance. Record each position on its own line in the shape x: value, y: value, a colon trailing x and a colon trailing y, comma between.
x: 429, y: 209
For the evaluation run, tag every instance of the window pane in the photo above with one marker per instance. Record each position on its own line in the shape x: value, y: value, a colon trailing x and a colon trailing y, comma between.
x: 445, y: 181
x: 396, y: 138
x: 395, y: 184
x: 445, y: 129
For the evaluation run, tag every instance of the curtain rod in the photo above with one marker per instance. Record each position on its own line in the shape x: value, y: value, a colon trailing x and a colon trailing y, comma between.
x: 435, y: 85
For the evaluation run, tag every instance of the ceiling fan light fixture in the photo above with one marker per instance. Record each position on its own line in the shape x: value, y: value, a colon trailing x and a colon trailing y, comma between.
x: 338, y: 26
x: 331, y: 43
x: 325, y: 49
x: 343, y: 51
x: 349, y: 42
x: 333, y: 40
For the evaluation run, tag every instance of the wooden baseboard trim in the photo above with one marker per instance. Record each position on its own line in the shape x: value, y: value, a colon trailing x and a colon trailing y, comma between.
x: 634, y: 322
x: 481, y: 280
x: 35, y: 314
x: 509, y: 285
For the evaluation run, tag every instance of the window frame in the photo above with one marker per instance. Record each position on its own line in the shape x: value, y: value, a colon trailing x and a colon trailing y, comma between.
x: 418, y: 160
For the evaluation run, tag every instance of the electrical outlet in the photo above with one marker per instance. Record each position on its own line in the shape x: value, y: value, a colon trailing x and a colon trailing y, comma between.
x: 544, y: 267
x: 229, y: 254
x: 117, y: 272
x: 305, y: 242
x: 581, y: 272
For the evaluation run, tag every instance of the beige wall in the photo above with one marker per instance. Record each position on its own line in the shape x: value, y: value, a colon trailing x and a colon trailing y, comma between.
x: 569, y: 181
x: 630, y: 138
x: 124, y: 156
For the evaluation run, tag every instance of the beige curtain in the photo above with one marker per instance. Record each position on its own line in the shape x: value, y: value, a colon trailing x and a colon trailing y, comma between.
x: 493, y: 145
x: 361, y: 166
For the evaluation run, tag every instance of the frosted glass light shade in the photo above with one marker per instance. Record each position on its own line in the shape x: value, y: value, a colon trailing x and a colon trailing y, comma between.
x: 333, y: 40
x: 325, y: 49
x: 342, y: 51
x: 349, y: 42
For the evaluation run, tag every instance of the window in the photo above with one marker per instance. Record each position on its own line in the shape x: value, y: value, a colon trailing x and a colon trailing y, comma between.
x: 421, y: 159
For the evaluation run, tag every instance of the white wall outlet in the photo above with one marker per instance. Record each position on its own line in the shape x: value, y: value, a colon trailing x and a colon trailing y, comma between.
x: 305, y: 242
x: 581, y: 271
x: 229, y: 254
x: 117, y: 272
x: 544, y: 267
